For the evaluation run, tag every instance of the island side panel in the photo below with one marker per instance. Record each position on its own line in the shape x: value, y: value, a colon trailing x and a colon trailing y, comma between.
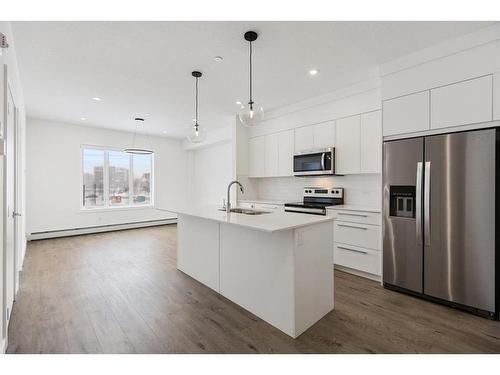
x: 313, y: 274
x: 198, y: 249
x: 256, y: 272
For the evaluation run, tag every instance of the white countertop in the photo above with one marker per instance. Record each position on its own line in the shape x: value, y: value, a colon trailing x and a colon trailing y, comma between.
x: 271, y: 222
x: 353, y: 207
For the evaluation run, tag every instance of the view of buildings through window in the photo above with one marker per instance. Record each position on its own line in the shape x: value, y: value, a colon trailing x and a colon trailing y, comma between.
x: 114, y: 178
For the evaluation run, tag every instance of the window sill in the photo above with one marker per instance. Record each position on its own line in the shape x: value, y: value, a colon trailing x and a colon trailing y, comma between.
x: 119, y: 208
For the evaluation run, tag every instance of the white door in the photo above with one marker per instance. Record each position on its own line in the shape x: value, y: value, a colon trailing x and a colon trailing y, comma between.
x: 9, y: 199
x: 304, y: 138
x: 285, y: 149
x: 272, y: 155
x: 371, y: 142
x: 324, y: 135
x: 257, y: 153
x: 347, y: 151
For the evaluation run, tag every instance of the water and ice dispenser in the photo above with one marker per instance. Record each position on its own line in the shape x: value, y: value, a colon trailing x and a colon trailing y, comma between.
x: 402, y: 201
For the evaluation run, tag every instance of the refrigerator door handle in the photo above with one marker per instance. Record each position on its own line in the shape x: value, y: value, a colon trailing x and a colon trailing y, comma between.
x: 418, y: 204
x: 427, y: 203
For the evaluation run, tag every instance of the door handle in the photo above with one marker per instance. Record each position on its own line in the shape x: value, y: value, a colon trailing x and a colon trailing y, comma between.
x: 355, y: 250
x: 352, y: 226
x: 418, y: 204
x: 427, y: 203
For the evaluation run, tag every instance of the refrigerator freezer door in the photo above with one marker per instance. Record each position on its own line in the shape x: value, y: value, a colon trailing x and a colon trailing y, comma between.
x: 459, y: 251
x: 402, y: 260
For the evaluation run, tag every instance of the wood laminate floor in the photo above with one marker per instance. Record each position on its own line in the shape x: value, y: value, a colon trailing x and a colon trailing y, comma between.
x: 120, y: 292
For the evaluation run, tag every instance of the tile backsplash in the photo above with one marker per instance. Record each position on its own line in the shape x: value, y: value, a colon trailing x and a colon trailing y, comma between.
x: 363, y: 189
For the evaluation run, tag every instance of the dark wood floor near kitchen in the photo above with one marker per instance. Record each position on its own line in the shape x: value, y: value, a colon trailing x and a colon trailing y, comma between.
x: 120, y: 292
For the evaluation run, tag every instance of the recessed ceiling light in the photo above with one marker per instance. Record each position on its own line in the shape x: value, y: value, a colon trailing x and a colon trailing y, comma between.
x: 96, y: 98
x: 83, y: 118
x: 238, y: 103
x: 218, y: 58
x: 164, y: 132
x: 313, y: 72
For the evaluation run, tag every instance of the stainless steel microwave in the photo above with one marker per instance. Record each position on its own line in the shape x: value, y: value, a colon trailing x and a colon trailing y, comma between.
x: 314, y: 162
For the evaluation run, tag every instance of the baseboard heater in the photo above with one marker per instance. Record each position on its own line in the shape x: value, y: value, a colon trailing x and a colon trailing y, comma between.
x: 98, y: 229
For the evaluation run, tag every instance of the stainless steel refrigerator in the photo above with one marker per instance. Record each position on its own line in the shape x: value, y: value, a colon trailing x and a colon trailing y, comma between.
x: 441, y: 194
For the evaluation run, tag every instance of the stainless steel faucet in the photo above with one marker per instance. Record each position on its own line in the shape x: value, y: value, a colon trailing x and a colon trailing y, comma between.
x: 228, y: 204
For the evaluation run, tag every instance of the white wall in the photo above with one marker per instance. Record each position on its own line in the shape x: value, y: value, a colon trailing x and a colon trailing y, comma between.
x: 9, y: 58
x: 53, y: 176
x: 211, y: 169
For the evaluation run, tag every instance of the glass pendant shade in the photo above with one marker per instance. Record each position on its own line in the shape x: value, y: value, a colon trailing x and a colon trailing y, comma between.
x: 251, y: 115
x: 197, y: 134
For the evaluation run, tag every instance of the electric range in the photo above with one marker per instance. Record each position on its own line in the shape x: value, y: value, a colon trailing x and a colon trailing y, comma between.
x: 316, y: 200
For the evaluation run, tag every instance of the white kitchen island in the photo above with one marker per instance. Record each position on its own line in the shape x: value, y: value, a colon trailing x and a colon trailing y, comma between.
x: 276, y: 265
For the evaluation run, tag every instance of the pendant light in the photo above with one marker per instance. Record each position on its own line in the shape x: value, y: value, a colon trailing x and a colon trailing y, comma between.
x: 135, y: 149
x: 196, y: 135
x: 253, y: 113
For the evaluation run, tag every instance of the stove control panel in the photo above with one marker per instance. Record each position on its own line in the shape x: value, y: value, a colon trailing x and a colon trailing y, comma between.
x: 323, y: 192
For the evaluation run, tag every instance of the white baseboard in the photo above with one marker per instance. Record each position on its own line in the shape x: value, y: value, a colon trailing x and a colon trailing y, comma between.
x: 359, y: 273
x: 98, y: 229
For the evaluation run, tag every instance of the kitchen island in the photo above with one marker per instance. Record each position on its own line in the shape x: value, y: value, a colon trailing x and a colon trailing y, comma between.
x: 276, y: 265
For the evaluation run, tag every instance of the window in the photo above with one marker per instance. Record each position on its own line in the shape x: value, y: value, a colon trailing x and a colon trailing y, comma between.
x: 113, y: 178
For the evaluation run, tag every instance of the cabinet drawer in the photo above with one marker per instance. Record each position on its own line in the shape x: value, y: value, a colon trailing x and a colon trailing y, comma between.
x: 358, y: 258
x: 361, y: 217
x: 357, y: 234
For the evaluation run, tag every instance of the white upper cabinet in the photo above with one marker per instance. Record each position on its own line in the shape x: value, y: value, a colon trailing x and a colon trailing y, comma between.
x: 371, y: 142
x: 272, y: 155
x: 462, y: 103
x: 407, y: 114
x: 257, y: 157
x: 324, y: 134
x: 315, y: 136
x: 348, y: 146
x: 285, y: 153
x: 496, y: 96
x: 304, y: 138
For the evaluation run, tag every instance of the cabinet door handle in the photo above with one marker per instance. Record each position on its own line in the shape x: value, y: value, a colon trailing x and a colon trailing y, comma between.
x: 354, y: 250
x: 352, y: 226
x: 346, y: 214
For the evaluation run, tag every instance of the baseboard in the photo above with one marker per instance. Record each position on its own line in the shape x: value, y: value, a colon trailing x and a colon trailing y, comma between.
x: 98, y: 229
x: 358, y: 273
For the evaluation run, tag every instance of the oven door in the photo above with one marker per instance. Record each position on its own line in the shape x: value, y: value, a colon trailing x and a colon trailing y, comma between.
x: 313, y: 163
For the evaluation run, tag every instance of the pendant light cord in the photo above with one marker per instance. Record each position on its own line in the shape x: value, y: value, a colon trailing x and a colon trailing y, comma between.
x: 196, y: 103
x: 251, y: 99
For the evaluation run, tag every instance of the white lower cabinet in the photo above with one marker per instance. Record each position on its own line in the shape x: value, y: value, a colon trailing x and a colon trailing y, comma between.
x: 358, y: 258
x: 357, y: 242
x: 364, y: 235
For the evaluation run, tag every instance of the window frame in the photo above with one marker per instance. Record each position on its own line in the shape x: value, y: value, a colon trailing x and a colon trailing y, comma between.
x: 106, y: 206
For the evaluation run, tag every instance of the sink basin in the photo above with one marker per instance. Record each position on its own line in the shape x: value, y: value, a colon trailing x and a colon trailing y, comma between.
x: 246, y: 211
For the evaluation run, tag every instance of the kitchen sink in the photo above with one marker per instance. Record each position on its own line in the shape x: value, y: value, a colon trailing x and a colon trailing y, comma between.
x: 246, y: 211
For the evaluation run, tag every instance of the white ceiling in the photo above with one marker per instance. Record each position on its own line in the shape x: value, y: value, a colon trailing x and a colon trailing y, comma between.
x: 144, y: 68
